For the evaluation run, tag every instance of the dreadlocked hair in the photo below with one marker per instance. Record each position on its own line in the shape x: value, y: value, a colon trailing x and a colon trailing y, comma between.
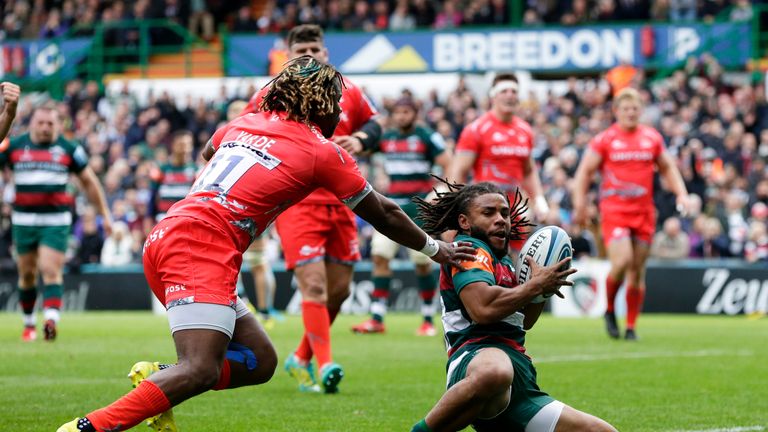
x: 442, y: 213
x: 305, y: 88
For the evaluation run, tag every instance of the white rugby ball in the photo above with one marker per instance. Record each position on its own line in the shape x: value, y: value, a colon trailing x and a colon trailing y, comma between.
x: 547, y: 245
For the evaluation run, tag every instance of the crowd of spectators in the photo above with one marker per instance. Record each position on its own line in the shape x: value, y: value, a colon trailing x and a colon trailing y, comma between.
x: 29, y: 19
x: 716, y: 129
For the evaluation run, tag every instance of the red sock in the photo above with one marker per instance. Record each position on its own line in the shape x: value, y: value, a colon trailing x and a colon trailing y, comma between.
x: 223, y: 376
x: 146, y: 400
x: 304, y: 351
x: 611, y: 289
x: 635, y: 297
x: 317, y: 329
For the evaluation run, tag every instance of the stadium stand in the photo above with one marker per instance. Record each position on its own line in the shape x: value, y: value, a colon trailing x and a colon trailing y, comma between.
x: 717, y: 128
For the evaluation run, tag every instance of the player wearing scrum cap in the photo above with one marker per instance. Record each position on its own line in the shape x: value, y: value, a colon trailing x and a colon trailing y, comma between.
x: 497, y: 148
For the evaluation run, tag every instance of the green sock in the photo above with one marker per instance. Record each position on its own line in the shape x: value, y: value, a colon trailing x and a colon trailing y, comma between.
x: 421, y: 426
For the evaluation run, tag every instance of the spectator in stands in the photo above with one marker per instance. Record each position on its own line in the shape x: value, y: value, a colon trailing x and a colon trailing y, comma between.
x: 53, y: 26
x: 244, y: 23
x: 448, y: 17
x: 713, y: 243
x: 401, y: 19
x: 119, y: 248
x: 671, y: 242
x: 91, y: 240
x: 200, y: 20
x: 682, y: 10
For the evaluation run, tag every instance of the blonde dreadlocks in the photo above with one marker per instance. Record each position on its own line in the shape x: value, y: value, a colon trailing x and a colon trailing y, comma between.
x: 305, y: 88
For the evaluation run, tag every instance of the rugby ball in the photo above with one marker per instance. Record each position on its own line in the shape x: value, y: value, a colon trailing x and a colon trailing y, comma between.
x: 547, y: 245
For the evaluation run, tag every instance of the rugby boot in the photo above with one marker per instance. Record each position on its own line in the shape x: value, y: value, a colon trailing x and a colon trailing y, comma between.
x: 331, y: 375
x: 610, y: 325
x: 303, y: 373
x: 139, y: 372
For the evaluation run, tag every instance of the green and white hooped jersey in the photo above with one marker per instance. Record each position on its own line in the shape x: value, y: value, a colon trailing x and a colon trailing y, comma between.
x: 41, y: 176
x: 460, y: 330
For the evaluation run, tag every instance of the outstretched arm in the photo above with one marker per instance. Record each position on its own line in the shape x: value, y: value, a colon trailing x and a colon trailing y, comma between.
x: 390, y: 220
x: 11, y: 93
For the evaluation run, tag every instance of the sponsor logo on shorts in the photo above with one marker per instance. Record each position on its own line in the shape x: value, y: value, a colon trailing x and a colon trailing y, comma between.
x: 174, y: 289
x: 154, y: 236
x: 308, y: 250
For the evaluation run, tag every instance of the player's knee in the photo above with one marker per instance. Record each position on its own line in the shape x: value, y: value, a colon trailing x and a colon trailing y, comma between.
x: 313, y: 288
x: 202, y: 376
x: 267, y: 365
x: 27, y: 278
x: 493, y: 379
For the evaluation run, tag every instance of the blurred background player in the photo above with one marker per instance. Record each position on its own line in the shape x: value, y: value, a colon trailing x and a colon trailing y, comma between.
x: 626, y: 154
x: 42, y: 161
x: 192, y: 257
x: 491, y: 381
x: 410, y: 151
x: 319, y: 235
x: 10, y: 93
x: 497, y: 148
x: 173, y: 179
x: 254, y: 257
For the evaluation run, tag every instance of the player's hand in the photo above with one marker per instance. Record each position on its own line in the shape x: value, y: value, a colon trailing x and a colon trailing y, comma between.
x: 106, y: 224
x: 11, y: 93
x: 454, y: 253
x: 540, y: 208
x: 351, y: 144
x: 683, y: 205
x: 551, y: 278
x: 580, y: 216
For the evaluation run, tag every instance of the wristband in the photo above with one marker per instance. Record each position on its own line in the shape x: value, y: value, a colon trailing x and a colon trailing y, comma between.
x: 431, y: 248
x: 541, y: 205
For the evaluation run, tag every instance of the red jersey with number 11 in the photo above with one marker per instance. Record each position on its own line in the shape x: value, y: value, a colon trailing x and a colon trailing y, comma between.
x: 264, y: 164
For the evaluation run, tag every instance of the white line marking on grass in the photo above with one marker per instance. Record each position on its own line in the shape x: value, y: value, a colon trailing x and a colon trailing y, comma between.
x: 640, y: 355
x: 730, y: 429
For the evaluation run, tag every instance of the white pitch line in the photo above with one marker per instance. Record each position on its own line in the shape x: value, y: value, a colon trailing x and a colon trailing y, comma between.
x: 640, y: 355
x: 730, y: 429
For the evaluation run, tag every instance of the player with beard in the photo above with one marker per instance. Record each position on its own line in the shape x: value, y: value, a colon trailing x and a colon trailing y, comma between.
x: 491, y: 381
x: 259, y: 165
x: 42, y: 161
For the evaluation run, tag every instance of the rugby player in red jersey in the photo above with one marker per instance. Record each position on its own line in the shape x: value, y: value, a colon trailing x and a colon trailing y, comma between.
x: 626, y: 154
x: 497, y: 148
x: 319, y: 235
x: 260, y: 164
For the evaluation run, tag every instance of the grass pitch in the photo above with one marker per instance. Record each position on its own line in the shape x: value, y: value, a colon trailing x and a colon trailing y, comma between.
x: 687, y: 373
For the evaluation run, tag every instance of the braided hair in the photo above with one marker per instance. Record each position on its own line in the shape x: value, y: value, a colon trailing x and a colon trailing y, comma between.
x: 305, y: 88
x: 442, y: 214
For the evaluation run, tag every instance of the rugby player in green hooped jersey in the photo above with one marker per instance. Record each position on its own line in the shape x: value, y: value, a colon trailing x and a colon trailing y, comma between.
x: 491, y: 381
x: 42, y: 162
x: 410, y: 152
